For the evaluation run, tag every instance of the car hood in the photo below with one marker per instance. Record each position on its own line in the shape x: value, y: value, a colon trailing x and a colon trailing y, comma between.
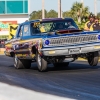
x: 61, y: 33
x: 70, y: 32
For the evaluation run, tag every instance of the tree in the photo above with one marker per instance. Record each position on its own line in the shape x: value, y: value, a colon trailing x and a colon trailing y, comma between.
x: 98, y: 14
x: 67, y: 14
x: 52, y: 14
x: 78, y: 11
x: 37, y: 15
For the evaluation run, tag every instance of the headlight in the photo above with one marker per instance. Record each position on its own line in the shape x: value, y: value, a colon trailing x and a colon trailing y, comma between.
x: 47, y: 42
x: 99, y: 37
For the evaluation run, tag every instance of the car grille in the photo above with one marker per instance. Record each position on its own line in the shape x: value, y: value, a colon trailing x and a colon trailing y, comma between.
x: 69, y: 40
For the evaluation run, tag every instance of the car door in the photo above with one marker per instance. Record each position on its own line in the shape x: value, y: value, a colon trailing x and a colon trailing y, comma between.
x: 17, y: 40
x: 22, y: 42
x: 36, y: 36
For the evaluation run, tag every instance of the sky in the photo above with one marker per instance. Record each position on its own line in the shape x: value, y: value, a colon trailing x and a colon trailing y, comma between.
x: 66, y: 5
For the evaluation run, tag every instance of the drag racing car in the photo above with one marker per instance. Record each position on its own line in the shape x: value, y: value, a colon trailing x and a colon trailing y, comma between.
x: 54, y: 40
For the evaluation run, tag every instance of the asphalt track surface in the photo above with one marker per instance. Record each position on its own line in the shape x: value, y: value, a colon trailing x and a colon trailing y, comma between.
x: 79, y: 82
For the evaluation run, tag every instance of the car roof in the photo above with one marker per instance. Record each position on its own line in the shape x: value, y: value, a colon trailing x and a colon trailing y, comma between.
x: 46, y: 19
x: 54, y: 19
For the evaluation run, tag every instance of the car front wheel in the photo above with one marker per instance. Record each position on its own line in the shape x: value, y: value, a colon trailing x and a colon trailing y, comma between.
x: 41, y: 63
x: 93, y: 58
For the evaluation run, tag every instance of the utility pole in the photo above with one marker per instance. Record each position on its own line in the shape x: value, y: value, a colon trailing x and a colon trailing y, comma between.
x: 59, y: 9
x: 43, y: 10
x: 82, y: 1
x: 61, y: 14
x: 95, y: 7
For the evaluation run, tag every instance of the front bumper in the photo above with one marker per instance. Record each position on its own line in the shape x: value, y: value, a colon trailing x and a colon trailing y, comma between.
x: 71, y: 50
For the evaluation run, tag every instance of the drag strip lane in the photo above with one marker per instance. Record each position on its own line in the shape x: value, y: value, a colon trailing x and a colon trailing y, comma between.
x: 79, y: 81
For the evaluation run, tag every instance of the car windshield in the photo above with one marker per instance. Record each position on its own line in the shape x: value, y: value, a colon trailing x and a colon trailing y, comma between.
x: 52, y: 26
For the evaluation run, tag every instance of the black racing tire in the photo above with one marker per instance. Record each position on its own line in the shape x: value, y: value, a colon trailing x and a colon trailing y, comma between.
x: 26, y: 64
x: 21, y: 63
x: 41, y: 63
x: 63, y: 64
x: 93, y: 58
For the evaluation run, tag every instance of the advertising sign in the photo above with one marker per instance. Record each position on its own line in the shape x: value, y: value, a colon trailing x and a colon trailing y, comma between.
x: 12, y: 30
x: 4, y: 27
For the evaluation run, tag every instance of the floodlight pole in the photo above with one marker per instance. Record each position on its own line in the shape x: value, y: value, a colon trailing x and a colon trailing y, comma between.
x: 95, y: 7
x: 59, y: 9
x: 82, y: 1
x: 43, y: 10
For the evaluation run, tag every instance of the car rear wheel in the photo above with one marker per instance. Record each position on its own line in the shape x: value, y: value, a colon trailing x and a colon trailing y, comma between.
x: 20, y: 63
x: 93, y: 58
x: 41, y: 63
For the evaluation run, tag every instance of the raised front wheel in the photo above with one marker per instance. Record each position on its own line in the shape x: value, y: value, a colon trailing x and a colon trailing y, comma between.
x: 93, y: 58
x: 41, y: 63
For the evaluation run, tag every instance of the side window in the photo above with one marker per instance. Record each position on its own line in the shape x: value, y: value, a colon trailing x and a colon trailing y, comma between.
x: 26, y: 30
x: 20, y: 32
x: 35, y: 29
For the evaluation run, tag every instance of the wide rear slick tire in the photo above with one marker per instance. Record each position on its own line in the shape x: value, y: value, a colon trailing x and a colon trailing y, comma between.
x: 21, y: 63
x: 41, y: 63
x: 93, y: 59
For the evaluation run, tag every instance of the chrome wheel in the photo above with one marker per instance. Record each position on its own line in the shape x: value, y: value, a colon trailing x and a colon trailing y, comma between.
x: 15, y: 61
x: 41, y: 63
x: 39, y: 60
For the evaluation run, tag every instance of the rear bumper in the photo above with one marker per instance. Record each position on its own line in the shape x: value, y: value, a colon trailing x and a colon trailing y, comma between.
x: 70, y: 50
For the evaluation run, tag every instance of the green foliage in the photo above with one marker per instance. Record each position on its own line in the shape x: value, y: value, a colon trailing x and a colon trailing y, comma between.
x: 52, y: 14
x: 67, y: 14
x: 80, y: 25
x: 77, y: 12
x: 38, y: 14
x: 4, y: 36
x: 98, y: 14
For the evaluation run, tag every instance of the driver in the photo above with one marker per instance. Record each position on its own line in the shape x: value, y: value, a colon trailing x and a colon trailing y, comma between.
x: 70, y: 25
x: 60, y: 26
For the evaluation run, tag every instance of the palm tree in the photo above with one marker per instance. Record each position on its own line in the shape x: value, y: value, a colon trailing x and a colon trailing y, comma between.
x: 79, y: 11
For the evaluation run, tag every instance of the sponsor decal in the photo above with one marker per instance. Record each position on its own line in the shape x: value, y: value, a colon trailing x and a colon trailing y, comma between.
x: 25, y: 28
